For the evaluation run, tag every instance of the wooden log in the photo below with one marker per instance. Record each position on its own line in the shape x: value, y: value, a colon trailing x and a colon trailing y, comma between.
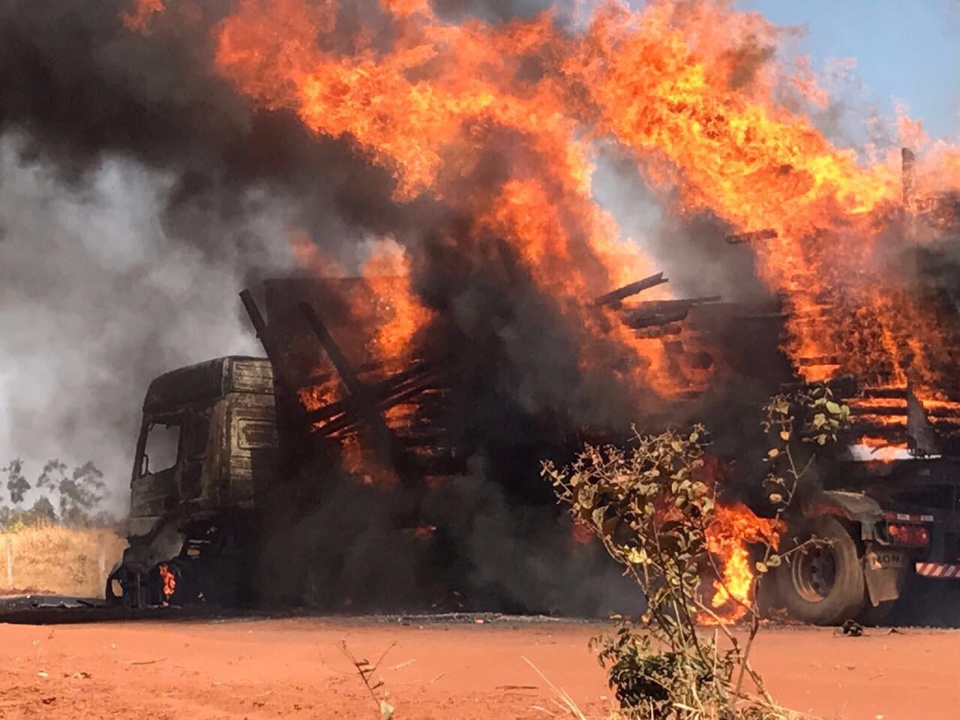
x: 648, y: 320
x: 615, y: 297
x: 350, y: 421
x: 658, y: 306
x: 654, y: 332
x: 266, y: 340
x: 422, y: 374
x: 879, y: 411
x: 748, y: 237
x: 844, y: 386
x: 384, y: 441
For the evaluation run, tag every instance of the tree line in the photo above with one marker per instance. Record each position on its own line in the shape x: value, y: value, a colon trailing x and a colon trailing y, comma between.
x: 61, y: 495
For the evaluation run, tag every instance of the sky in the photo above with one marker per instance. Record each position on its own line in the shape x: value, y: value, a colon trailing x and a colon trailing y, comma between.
x: 906, y: 50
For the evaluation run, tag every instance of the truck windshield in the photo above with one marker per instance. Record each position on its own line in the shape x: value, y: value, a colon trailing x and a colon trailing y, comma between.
x: 160, y: 452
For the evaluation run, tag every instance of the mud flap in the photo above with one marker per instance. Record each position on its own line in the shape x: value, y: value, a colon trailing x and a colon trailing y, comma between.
x: 885, y: 572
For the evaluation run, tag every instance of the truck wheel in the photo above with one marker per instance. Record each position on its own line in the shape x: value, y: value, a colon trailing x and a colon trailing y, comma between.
x: 822, y: 583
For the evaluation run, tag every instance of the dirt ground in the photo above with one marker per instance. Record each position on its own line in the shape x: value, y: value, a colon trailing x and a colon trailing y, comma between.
x: 294, y: 668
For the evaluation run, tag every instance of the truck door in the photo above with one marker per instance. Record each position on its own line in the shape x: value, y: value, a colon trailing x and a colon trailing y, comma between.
x: 154, y: 489
x: 194, y: 442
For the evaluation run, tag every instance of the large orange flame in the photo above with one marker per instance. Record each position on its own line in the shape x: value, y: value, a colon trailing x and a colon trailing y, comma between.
x: 680, y: 86
x: 430, y: 108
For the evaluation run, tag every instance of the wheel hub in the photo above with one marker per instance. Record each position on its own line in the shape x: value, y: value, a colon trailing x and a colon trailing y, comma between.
x: 814, y: 572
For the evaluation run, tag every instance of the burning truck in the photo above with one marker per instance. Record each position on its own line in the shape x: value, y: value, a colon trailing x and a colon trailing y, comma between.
x: 361, y: 385
x: 235, y: 447
x: 473, y: 144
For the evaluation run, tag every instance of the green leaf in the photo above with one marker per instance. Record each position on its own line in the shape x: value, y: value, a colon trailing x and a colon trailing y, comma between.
x: 833, y: 408
x: 597, y: 516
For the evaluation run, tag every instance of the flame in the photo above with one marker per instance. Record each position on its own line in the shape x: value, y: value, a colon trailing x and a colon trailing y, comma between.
x: 424, y: 532
x: 728, y: 538
x: 882, y: 450
x: 432, y: 134
x: 139, y: 18
x: 406, y: 315
x: 169, y: 581
x: 681, y: 87
x: 316, y: 396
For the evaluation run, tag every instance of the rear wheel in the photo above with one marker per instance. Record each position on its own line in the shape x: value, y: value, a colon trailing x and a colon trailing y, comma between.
x: 822, y: 581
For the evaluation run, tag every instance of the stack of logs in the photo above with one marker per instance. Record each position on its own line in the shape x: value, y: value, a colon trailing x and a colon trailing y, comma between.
x: 426, y: 379
x: 423, y: 386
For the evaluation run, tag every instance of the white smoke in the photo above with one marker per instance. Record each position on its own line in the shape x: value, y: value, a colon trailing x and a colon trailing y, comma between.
x: 96, y: 299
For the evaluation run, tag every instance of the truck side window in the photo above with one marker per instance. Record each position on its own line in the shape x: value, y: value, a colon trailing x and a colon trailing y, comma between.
x: 160, y: 452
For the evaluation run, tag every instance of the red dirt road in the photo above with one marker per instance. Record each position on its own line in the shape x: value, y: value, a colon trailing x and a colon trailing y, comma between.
x: 293, y: 669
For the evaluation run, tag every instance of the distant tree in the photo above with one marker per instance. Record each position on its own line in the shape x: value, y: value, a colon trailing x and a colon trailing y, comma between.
x: 78, y: 492
x: 17, y: 484
x: 42, y: 511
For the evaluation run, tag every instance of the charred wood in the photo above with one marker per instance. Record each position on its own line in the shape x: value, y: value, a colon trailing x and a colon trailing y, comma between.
x: 891, y: 433
x: 266, y: 340
x: 615, y: 297
x: 421, y: 375
x: 658, y: 313
x: 748, y: 237
x: 659, y: 306
x: 384, y: 440
x: 647, y: 320
x: 649, y: 333
x: 845, y: 386
x: 878, y: 411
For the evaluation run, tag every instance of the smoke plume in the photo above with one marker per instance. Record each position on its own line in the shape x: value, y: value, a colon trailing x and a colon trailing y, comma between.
x: 97, y: 299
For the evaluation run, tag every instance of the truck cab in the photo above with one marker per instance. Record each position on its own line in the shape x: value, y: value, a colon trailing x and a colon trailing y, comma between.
x: 207, y: 443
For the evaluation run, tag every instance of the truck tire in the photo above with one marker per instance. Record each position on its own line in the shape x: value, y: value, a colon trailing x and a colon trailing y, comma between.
x: 822, y: 583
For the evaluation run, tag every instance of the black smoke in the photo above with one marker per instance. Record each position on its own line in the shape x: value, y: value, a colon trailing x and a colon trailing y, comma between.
x: 500, y: 10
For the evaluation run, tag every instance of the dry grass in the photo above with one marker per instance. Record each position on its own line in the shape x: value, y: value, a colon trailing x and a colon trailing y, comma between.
x: 59, y: 560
